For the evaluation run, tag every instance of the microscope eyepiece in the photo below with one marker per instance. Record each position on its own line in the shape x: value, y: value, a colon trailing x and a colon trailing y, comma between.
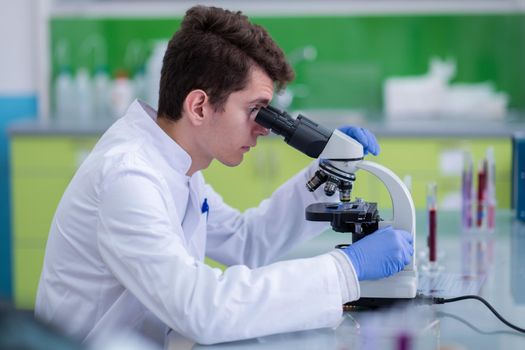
x: 300, y: 133
x: 276, y: 120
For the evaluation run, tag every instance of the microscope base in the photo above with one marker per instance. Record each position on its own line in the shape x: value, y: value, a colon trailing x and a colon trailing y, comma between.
x: 387, y: 291
x: 374, y: 303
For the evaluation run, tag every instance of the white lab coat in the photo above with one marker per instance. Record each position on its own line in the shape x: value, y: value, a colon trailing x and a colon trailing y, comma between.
x: 129, y: 238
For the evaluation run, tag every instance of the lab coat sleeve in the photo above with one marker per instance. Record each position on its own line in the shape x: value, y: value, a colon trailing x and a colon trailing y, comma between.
x: 141, y: 244
x: 263, y: 234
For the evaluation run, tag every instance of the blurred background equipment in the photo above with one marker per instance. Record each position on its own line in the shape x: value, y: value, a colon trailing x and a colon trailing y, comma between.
x: 432, y: 96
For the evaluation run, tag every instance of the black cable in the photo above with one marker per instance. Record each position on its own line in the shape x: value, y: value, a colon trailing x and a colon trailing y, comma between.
x: 442, y: 314
x: 437, y: 300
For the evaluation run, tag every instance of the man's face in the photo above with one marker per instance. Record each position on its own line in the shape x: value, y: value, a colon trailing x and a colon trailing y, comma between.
x: 232, y: 131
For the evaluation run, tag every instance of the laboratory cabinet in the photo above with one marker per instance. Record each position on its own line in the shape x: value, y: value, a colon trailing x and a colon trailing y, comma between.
x: 41, y: 168
x: 42, y: 165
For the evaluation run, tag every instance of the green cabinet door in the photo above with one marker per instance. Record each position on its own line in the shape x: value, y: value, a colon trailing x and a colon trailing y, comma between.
x: 41, y: 169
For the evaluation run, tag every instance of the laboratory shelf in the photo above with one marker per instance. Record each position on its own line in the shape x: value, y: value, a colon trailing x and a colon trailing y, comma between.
x: 410, y: 126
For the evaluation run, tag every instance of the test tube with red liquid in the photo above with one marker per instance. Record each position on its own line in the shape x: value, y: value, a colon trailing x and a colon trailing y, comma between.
x: 432, y: 224
x: 481, y: 193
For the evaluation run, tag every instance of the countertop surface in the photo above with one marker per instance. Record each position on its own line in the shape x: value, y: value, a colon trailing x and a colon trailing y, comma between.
x: 491, y: 265
x: 415, y: 126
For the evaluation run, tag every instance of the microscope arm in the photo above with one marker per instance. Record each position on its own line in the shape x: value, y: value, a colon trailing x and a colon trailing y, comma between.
x: 403, y: 211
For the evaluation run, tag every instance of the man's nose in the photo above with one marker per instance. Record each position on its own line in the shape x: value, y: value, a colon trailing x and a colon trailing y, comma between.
x: 261, y: 130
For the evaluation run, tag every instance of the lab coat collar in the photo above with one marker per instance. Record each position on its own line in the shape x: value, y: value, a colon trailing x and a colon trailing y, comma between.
x: 174, y: 154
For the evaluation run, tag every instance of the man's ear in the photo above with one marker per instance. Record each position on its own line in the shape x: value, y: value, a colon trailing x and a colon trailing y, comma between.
x: 195, y: 106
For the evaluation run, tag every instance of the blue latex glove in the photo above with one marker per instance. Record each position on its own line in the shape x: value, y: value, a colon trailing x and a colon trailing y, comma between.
x: 364, y: 137
x: 381, y: 254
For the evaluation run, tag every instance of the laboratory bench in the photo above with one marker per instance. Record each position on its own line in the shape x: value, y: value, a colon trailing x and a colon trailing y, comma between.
x: 493, y: 267
x: 44, y: 158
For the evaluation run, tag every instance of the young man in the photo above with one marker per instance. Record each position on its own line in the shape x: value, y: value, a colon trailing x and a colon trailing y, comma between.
x: 130, y: 234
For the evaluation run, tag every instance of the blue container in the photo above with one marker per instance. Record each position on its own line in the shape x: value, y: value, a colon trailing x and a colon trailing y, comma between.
x: 518, y: 175
x: 12, y: 108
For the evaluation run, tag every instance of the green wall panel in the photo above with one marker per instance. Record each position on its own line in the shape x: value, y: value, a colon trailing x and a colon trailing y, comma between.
x: 272, y: 162
x: 355, y: 53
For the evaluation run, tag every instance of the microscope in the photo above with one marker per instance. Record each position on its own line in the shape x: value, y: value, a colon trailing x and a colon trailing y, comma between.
x: 340, y: 157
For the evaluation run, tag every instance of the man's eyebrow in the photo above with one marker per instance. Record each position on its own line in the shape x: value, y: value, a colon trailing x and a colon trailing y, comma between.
x: 263, y: 101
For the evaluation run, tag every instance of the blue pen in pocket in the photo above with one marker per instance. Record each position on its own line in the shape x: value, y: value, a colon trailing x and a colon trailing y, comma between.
x: 205, y: 208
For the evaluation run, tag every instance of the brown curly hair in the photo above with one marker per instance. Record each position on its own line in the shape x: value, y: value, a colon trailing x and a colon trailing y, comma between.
x: 214, y: 50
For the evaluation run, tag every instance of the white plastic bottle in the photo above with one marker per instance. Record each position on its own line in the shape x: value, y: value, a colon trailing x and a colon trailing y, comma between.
x: 101, y: 99
x: 84, y: 97
x: 122, y: 94
x: 64, y: 97
x: 139, y: 84
x: 153, y: 68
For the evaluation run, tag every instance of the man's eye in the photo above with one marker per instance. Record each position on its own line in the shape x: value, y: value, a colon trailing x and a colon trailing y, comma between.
x: 254, y: 109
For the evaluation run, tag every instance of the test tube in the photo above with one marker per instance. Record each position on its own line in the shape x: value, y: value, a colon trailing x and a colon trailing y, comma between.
x: 432, y: 223
x: 490, y: 194
x: 482, y: 185
x: 466, y: 192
